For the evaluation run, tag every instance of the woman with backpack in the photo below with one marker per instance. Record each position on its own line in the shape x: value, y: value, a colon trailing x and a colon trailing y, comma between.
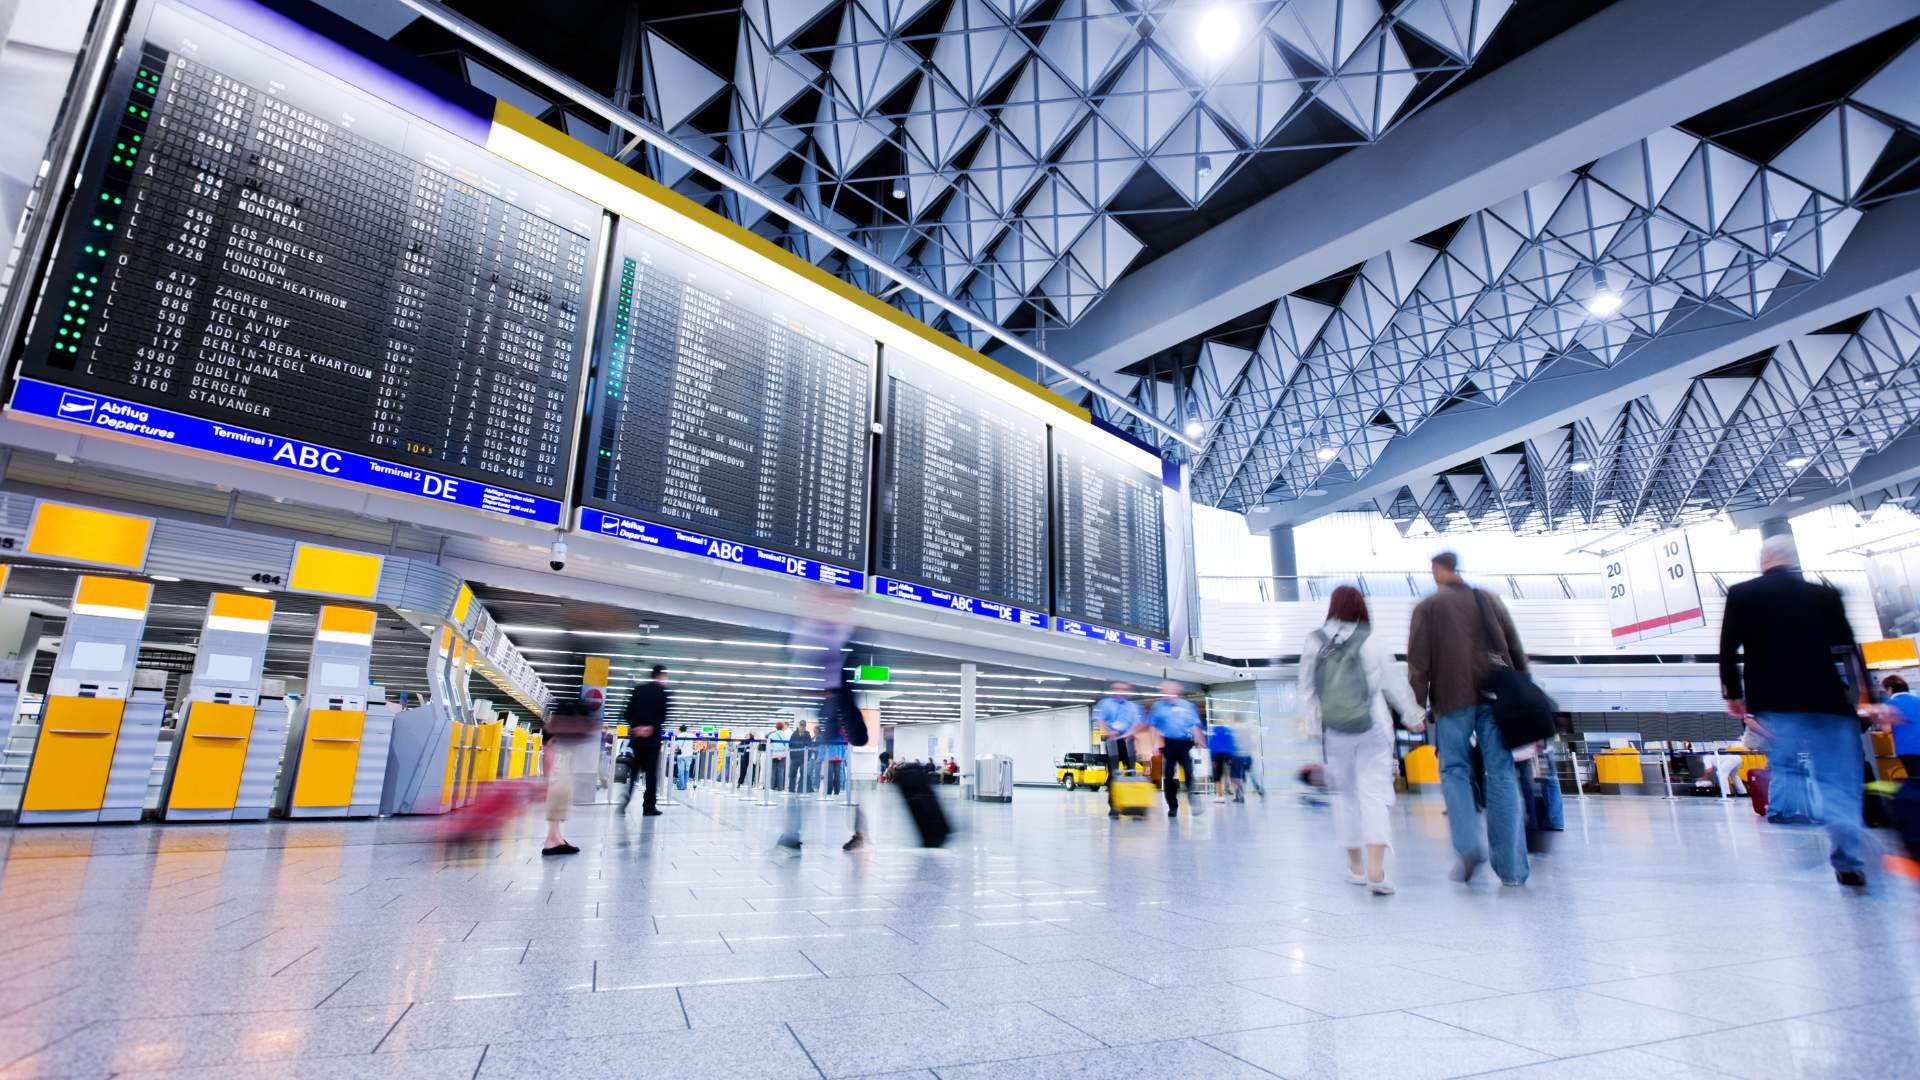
x: 1346, y: 684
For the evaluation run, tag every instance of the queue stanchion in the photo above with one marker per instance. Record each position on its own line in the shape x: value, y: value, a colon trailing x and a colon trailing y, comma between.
x: 764, y: 755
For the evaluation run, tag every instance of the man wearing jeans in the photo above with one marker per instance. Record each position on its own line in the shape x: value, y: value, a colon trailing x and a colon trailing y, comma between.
x: 1457, y: 635
x: 1794, y: 638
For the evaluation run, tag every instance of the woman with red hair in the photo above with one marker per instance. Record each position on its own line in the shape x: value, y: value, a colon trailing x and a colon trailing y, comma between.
x: 1346, y: 681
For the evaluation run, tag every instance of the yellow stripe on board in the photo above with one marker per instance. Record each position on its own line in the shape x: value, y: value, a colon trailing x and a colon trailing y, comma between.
x: 3, y: 578
x: 328, y: 570
x: 346, y: 620
x: 123, y: 594
x: 236, y: 606
x: 461, y: 602
x: 521, y: 123
x: 86, y: 535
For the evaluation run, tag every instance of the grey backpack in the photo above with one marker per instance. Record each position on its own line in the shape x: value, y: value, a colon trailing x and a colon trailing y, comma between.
x: 1340, y: 684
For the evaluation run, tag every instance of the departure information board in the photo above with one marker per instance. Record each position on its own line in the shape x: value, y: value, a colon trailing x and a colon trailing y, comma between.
x: 262, y: 245
x: 963, y: 490
x: 1110, y: 563
x: 723, y: 408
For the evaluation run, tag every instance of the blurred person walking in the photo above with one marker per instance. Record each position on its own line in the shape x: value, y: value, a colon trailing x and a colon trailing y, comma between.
x: 646, y: 719
x: 1459, y: 634
x: 821, y: 642
x: 1220, y: 754
x: 571, y: 728
x: 1348, y: 680
x: 1783, y: 643
x: 1115, y: 718
x: 1177, y: 721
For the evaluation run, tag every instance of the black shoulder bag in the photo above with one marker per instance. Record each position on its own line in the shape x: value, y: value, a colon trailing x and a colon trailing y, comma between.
x: 1522, y: 711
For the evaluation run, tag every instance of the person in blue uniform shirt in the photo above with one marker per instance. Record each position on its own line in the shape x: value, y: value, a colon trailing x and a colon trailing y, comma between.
x: 1177, y: 721
x: 1115, y: 718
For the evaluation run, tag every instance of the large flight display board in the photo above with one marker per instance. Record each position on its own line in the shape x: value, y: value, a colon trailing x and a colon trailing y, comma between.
x: 264, y: 260
x: 721, y: 407
x: 963, y: 495
x: 1110, y: 539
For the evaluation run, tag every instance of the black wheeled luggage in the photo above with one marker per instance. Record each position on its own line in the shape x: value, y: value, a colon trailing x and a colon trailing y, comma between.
x: 916, y: 787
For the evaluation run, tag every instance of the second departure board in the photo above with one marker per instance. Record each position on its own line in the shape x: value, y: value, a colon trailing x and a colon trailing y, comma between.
x: 963, y: 489
x: 258, y: 243
x: 722, y: 408
x: 1109, y: 532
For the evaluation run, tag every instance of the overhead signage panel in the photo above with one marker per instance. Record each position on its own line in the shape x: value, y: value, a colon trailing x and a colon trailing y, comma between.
x: 721, y: 407
x: 1109, y: 536
x: 963, y: 490
x: 1112, y: 636
x: 667, y: 538
x: 1651, y: 589
x: 262, y: 240
x: 952, y: 601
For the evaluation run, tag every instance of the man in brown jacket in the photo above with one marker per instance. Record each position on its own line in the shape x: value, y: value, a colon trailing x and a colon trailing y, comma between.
x: 1456, y: 633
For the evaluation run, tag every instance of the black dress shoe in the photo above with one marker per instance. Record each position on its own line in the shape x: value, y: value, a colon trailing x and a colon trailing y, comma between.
x: 1851, y: 878
x: 649, y: 813
x: 560, y: 849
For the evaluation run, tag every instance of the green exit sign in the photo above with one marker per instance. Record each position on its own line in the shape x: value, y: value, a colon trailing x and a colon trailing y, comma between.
x: 871, y: 673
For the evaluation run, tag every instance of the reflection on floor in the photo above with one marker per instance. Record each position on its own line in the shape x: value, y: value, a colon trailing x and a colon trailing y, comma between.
x: 1660, y: 938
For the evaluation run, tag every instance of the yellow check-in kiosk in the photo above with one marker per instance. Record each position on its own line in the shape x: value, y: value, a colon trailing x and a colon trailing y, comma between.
x: 516, y: 754
x: 490, y: 744
x: 337, y: 752
x: 227, y: 757
x: 93, y: 757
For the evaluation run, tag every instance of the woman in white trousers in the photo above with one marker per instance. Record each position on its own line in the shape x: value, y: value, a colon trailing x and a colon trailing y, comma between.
x: 1359, y: 764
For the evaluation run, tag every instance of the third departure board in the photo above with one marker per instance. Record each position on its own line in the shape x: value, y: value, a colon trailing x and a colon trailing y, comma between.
x: 963, y: 489
x: 1111, y: 564
x: 723, y: 408
x: 259, y: 243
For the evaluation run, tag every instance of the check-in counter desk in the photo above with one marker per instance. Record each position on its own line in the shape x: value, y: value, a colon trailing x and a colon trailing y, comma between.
x: 337, y: 750
x: 226, y: 759
x: 430, y: 742
x: 515, y: 754
x: 92, y: 758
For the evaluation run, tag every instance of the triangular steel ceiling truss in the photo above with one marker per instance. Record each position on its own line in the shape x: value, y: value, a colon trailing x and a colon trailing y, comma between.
x: 1681, y: 231
x: 1794, y: 422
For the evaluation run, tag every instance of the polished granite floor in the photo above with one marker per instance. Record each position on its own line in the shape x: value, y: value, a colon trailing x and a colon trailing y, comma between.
x: 1660, y: 938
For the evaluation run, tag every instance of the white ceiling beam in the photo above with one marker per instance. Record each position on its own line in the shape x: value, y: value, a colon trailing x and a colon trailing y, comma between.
x: 1635, y: 67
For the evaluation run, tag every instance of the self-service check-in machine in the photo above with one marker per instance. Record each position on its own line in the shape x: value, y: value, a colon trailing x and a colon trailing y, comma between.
x: 429, y: 740
x: 489, y: 744
x: 227, y: 757
x: 516, y: 753
x: 94, y: 755
x: 337, y: 753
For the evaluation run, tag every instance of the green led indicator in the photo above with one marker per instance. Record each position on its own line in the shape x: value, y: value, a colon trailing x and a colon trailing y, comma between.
x: 88, y: 294
x: 109, y: 226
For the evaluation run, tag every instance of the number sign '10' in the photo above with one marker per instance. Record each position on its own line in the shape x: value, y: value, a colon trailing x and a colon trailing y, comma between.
x: 1651, y: 591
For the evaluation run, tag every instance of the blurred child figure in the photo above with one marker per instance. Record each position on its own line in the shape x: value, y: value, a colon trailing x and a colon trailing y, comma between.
x: 1220, y: 750
x: 1346, y: 684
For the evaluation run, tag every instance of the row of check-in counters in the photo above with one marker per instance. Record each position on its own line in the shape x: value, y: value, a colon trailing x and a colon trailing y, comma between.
x: 97, y: 748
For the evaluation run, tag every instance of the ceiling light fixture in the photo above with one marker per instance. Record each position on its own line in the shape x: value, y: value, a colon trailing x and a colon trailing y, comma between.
x: 1195, y: 429
x: 1327, y: 453
x: 1581, y: 466
x: 253, y: 588
x: 1217, y: 31
x: 1797, y: 463
x: 1604, y: 300
x: 163, y: 577
x: 1205, y: 171
x: 899, y: 191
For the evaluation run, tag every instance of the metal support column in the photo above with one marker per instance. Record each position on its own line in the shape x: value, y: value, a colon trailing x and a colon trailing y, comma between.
x: 1286, y: 563
x: 969, y: 677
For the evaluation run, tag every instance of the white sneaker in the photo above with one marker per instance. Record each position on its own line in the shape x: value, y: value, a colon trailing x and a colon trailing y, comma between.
x: 1380, y: 888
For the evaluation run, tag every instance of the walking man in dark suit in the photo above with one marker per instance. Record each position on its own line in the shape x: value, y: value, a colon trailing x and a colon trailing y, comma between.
x: 646, y: 718
x: 1792, y: 633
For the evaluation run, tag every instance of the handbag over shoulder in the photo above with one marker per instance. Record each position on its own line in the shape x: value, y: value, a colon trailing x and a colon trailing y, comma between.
x: 1521, y: 710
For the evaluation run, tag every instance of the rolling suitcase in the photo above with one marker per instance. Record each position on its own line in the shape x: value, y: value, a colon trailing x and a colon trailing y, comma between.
x: 916, y: 787
x: 1758, y: 781
x: 1130, y: 794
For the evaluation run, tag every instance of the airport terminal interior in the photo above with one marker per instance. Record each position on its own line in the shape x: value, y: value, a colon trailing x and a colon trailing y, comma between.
x: 959, y: 538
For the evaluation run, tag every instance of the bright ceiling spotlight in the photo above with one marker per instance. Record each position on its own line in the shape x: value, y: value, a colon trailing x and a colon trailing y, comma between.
x: 1217, y: 31
x: 899, y: 191
x: 1604, y: 300
x: 1327, y: 453
x: 1581, y: 466
x: 1797, y: 463
x: 1195, y: 429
